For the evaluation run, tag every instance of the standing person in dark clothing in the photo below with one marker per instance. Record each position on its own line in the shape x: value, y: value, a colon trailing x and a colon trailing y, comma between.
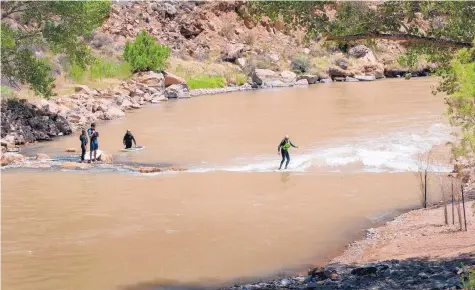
x: 83, y: 139
x: 128, y: 138
x: 284, y: 150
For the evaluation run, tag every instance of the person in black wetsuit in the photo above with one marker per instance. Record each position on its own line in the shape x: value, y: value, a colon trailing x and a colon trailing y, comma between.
x: 128, y: 138
x: 284, y: 150
x: 83, y: 139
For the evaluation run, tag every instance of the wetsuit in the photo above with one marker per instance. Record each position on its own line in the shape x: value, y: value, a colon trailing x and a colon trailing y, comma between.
x: 128, y: 138
x: 94, y: 145
x: 284, y: 150
x: 83, y: 139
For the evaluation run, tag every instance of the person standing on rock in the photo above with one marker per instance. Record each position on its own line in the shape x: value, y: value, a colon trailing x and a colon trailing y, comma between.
x: 83, y: 139
x: 128, y: 138
x: 94, y: 143
x: 284, y: 150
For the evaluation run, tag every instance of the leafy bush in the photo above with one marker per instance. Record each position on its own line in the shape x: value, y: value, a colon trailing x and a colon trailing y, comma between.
x: 145, y: 54
x: 300, y: 64
x: 206, y: 82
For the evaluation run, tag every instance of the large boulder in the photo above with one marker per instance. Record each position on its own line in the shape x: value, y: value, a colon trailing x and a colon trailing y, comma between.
x: 269, y: 78
x: 358, y: 51
x: 232, y: 52
x: 151, y: 79
x: 171, y: 79
x: 113, y: 113
x: 311, y: 79
x: 9, y: 158
x: 260, y: 76
x: 177, y: 92
x: 302, y: 82
x: 288, y: 76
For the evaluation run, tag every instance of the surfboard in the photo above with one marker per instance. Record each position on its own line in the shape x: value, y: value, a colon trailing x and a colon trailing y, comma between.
x: 88, y: 155
x: 136, y: 148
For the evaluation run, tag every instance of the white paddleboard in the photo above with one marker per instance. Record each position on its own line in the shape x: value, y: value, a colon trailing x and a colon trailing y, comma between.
x: 88, y: 155
x: 136, y: 148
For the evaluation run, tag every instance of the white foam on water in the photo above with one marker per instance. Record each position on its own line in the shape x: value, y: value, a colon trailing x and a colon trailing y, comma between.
x: 394, y: 152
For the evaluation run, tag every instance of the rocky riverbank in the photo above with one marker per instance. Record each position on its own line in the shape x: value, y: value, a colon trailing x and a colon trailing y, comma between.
x: 414, y: 251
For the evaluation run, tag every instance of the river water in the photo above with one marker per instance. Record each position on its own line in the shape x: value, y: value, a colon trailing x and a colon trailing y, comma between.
x: 231, y: 215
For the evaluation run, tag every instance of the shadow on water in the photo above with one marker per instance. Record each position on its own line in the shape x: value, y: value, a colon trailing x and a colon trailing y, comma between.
x: 391, y: 274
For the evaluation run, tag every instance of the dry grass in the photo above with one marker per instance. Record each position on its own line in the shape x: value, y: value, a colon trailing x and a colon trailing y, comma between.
x: 195, y: 69
x: 319, y: 64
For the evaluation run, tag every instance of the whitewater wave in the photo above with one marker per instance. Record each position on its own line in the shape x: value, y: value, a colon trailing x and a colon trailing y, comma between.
x: 394, y: 152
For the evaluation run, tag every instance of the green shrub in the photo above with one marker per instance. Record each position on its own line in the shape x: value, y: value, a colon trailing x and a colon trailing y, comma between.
x: 6, y: 92
x: 300, y: 64
x: 206, y: 82
x: 145, y: 53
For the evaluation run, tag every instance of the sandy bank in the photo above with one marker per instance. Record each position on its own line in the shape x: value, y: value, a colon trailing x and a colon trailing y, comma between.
x: 417, y: 234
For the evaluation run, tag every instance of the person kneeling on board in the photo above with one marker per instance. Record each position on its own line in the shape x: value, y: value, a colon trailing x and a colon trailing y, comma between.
x: 128, y: 138
x: 284, y: 150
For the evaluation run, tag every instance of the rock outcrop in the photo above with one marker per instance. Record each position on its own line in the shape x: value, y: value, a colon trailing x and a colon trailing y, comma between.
x: 9, y: 158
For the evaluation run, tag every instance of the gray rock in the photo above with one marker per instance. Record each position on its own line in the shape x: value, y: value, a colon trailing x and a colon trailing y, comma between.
x: 341, y: 62
x: 169, y: 9
x: 302, y: 82
x: 365, y: 78
x: 177, y: 92
x: 285, y: 282
x: 311, y: 79
x: 358, y: 51
x: 232, y: 52
x: 327, y: 80
x: 350, y: 79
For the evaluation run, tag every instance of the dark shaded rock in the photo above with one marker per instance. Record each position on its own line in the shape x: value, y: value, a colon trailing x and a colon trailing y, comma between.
x: 364, y: 271
x: 29, y: 123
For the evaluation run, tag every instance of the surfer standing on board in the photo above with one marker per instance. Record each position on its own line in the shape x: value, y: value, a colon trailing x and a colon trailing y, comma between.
x: 128, y: 138
x: 94, y: 144
x: 284, y: 150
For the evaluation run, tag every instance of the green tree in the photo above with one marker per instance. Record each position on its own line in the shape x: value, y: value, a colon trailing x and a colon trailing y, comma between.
x: 145, y: 53
x: 459, y: 85
x: 59, y: 26
x: 451, y: 23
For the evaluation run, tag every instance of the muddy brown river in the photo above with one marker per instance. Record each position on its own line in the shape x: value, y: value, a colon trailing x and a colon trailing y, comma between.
x: 231, y: 215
